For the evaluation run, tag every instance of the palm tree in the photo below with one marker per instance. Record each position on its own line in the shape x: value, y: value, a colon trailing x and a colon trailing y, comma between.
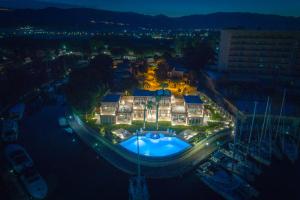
x: 157, y: 99
x: 147, y: 106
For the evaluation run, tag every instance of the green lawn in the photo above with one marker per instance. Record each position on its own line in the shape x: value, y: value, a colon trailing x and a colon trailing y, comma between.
x: 106, y: 129
x: 136, y: 125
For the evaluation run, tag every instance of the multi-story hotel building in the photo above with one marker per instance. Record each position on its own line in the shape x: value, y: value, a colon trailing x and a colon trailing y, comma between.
x: 259, y: 51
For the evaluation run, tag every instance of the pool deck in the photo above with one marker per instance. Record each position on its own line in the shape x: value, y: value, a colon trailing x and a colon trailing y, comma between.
x: 156, y: 145
x: 151, y: 168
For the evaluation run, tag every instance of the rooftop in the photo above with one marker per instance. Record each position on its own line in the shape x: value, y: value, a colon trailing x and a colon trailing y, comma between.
x: 124, y: 65
x: 144, y: 93
x: 192, y: 99
x: 176, y: 66
x: 163, y: 92
x: 18, y: 108
x: 111, y: 98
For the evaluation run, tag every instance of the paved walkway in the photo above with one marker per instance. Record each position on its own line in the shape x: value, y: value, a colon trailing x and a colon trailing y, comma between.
x: 153, y: 168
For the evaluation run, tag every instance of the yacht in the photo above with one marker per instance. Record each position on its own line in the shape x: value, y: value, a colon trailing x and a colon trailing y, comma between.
x: 290, y: 147
x: 34, y: 183
x: 17, y: 157
x: 243, y: 160
x: 62, y: 121
x: 232, y: 165
x: 276, y: 151
x: 10, y: 130
x: 68, y: 130
x: 229, y: 186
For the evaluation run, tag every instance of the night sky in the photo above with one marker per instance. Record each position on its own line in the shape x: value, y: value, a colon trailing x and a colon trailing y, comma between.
x: 188, y: 7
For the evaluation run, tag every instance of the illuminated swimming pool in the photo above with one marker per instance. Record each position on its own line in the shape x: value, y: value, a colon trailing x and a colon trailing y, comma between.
x: 155, y: 145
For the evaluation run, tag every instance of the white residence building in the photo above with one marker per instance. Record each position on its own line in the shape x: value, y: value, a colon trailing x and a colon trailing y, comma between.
x: 118, y: 109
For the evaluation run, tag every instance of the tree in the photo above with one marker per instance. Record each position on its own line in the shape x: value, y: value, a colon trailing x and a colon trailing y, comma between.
x: 164, y: 85
x: 96, y: 44
x: 143, y: 68
x: 197, y: 55
x: 86, y: 85
x: 167, y: 55
x: 101, y: 65
x: 157, y: 99
x: 147, y: 105
x: 150, y: 106
x: 126, y: 84
x: 162, y: 72
x: 118, y: 51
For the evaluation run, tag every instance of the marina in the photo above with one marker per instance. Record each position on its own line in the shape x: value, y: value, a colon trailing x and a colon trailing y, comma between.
x: 113, y: 104
x: 227, y: 160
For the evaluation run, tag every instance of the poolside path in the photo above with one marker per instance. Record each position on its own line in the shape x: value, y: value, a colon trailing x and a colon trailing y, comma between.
x: 158, y: 168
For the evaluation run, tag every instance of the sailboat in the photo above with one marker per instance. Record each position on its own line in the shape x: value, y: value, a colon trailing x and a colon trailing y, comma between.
x: 232, y: 166
x: 229, y: 186
x: 288, y: 144
x: 289, y: 147
x: 235, y: 161
x: 259, y: 144
x: 276, y: 143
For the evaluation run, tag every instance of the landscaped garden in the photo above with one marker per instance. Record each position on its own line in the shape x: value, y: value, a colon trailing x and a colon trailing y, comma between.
x: 106, y: 130
x: 87, y: 97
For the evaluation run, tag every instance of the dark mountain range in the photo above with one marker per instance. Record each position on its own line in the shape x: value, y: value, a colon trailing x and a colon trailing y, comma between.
x: 86, y: 18
x: 22, y: 4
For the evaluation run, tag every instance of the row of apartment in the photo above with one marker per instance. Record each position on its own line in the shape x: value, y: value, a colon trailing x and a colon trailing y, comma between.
x: 119, y: 109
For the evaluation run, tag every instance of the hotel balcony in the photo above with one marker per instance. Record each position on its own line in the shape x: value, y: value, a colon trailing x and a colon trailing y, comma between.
x: 108, y: 110
x: 178, y: 115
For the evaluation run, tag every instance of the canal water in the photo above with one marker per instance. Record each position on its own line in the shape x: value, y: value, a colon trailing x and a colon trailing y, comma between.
x: 73, y: 171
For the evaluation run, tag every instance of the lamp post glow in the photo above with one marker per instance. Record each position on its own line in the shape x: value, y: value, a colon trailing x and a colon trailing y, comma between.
x: 138, y: 153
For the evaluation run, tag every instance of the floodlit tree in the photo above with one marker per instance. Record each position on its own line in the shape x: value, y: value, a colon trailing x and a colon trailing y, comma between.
x: 147, y: 106
x: 164, y: 85
x: 157, y: 99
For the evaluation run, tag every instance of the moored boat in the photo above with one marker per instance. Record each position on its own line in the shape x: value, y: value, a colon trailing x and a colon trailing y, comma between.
x: 34, y: 183
x: 230, y: 186
x: 17, y: 157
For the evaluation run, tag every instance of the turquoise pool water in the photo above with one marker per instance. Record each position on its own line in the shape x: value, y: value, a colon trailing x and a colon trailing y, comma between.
x: 155, y: 145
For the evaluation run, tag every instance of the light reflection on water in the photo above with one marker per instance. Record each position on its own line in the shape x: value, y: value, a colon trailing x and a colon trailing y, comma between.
x: 155, y: 145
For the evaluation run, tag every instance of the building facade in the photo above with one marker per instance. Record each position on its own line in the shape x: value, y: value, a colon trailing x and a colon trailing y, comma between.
x: 194, y: 109
x: 108, y: 109
x: 259, y: 51
x: 116, y: 109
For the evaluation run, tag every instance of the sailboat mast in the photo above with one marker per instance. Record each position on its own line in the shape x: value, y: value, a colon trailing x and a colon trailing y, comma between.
x: 241, y: 131
x: 280, y: 115
x: 251, y: 128
x: 268, y: 130
x: 298, y: 140
x: 264, y: 122
x: 138, y: 154
x: 235, y: 135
